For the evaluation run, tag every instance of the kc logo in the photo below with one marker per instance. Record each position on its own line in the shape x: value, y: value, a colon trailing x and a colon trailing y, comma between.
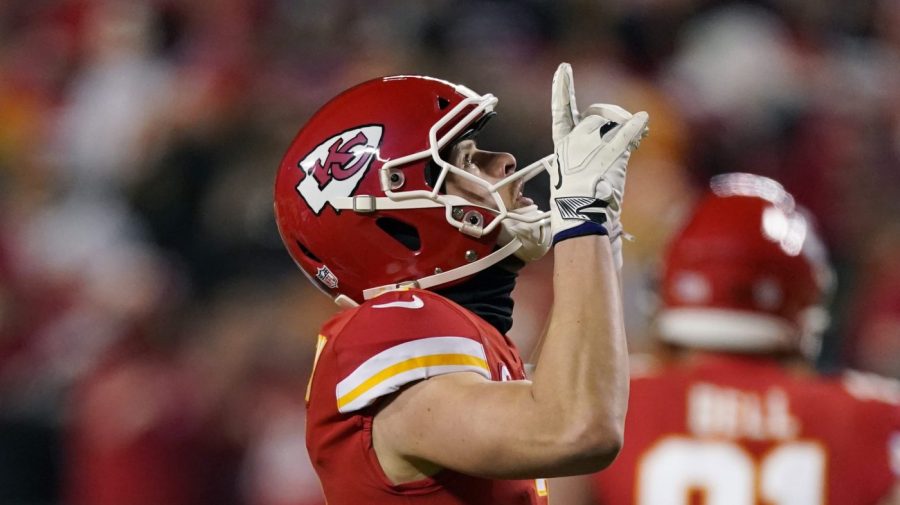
x: 336, y: 167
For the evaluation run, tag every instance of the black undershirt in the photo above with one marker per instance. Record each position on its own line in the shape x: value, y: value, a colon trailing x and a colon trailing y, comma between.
x: 489, y: 293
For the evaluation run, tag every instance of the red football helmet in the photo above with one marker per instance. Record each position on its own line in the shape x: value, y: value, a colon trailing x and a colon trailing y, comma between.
x: 358, y: 197
x: 747, y: 273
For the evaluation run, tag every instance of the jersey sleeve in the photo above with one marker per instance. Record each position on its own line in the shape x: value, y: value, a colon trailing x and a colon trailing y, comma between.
x: 400, y: 338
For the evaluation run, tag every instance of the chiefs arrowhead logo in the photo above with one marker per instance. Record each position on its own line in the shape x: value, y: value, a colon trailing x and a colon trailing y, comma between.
x: 336, y: 167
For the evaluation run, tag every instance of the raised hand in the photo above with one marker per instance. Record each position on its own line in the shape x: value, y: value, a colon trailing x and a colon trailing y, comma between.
x: 587, y: 180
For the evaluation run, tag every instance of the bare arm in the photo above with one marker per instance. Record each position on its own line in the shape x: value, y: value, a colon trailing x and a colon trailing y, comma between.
x: 568, y: 420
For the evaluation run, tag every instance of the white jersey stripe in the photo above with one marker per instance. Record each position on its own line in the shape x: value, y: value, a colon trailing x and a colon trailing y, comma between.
x: 392, y: 368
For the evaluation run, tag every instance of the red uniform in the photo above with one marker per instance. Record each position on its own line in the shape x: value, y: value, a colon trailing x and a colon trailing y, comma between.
x: 731, y: 430
x: 374, y: 350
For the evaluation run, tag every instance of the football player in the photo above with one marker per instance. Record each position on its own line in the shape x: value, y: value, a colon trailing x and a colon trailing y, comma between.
x: 387, y: 203
x: 730, y: 412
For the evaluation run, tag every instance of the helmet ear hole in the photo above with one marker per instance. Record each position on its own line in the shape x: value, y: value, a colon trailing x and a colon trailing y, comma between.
x: 306, y: 252
x: 403, y: 233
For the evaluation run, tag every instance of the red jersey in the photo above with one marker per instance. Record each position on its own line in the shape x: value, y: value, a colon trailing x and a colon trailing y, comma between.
x: 732, y: 430
x: 374, y: 350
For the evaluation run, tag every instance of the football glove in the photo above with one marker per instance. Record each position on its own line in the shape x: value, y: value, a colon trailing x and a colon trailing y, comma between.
x: 587, y: 176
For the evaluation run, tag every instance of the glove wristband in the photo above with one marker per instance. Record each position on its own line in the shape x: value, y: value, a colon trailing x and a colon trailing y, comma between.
x: 586, y: 228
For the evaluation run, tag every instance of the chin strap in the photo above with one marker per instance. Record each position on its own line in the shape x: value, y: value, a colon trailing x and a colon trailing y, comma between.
x: 450, y: 275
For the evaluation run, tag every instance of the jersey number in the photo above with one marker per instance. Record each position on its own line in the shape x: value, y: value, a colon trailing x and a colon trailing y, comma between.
x: 679, y: 469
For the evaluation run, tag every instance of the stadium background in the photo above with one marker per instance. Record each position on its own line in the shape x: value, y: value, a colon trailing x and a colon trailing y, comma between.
x: 154, y: 334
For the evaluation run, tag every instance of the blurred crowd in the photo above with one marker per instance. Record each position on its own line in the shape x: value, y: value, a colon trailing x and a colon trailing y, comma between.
x: 155, y: 339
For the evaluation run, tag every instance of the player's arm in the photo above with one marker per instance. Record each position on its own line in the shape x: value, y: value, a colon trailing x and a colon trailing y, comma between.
x: 570, y: 419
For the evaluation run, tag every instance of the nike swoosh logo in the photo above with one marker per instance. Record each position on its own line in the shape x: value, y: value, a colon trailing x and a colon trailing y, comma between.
x: 558, y: 174
x: 415, y: 303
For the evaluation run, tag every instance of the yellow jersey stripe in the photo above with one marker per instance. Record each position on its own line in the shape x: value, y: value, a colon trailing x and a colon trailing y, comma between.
x: 411, y: 364
x: 320, y: 344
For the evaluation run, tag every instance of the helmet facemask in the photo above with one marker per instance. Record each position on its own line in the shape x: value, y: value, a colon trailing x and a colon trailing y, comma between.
x: 523, y: 230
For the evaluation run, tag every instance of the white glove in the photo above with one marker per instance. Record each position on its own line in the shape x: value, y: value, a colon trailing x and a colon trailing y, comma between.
x: 587, y: 179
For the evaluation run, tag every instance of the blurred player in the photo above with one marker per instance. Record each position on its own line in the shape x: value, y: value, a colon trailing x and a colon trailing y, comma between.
x: 731, y: 412
x: 388, y: 205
